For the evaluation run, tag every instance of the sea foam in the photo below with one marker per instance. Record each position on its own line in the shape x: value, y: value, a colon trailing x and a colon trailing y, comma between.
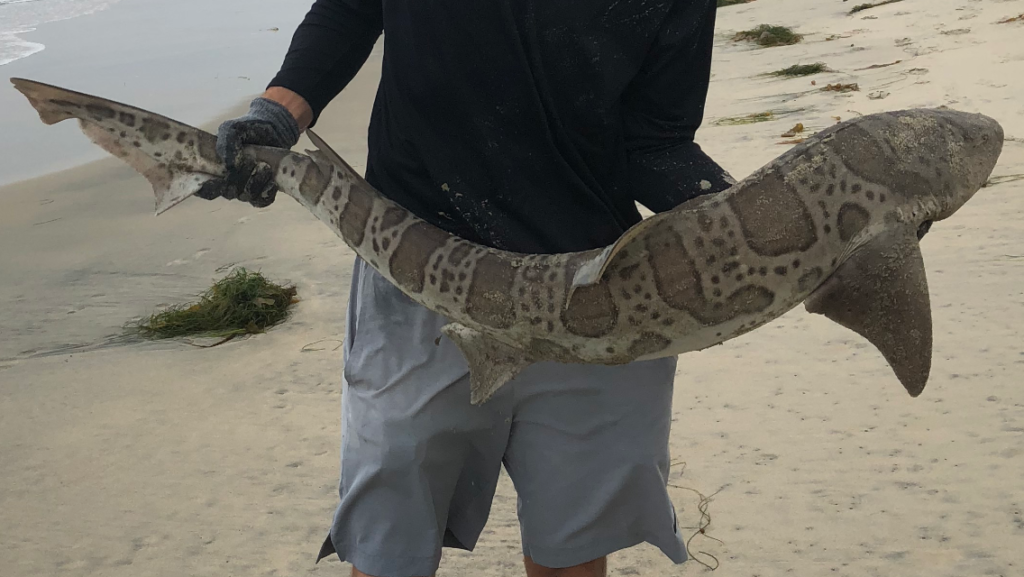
x: 19, y: 17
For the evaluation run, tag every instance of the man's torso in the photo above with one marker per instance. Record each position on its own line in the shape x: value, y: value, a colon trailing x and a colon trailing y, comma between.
x: 503, y: 122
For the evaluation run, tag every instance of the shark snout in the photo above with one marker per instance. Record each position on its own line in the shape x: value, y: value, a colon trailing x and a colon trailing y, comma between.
x: 983, y: 141
x: 977, y: 141
x: 984, y: 136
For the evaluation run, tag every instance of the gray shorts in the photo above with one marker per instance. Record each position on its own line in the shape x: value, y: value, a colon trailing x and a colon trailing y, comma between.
x: 586, y: 447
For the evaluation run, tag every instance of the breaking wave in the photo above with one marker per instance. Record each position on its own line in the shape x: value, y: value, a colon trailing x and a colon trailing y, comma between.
x: 18, y: 17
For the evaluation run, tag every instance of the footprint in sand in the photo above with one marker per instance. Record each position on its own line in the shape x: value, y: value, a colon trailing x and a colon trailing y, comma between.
x: 195, y: 256
x: 970, y: 13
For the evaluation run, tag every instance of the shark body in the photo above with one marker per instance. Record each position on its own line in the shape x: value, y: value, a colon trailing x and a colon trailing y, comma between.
x: 833, y: 223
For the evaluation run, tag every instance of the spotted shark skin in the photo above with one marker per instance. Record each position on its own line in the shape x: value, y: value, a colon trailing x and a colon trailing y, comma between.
x: 833, y: 223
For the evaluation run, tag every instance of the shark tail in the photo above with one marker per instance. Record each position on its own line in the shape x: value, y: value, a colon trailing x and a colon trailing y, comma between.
x: 178, y: 160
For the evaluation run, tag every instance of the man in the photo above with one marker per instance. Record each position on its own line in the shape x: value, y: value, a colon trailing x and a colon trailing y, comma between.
x: 531, y: 126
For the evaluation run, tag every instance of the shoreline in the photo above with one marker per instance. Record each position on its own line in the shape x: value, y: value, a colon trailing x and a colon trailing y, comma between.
x: 31, y: 18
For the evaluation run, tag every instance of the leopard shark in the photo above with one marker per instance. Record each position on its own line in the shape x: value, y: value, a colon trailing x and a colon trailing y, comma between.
x: 834, y: 223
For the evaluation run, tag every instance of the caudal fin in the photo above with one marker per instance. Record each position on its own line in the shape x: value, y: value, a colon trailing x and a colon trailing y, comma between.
x: 176, y: 159
x: 881, y: 293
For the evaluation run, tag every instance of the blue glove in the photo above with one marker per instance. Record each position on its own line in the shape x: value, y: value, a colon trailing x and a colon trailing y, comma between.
x: 268, y: 123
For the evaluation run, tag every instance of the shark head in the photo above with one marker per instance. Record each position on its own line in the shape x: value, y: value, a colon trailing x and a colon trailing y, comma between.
x: 973, y: 143
x: 930, y: 162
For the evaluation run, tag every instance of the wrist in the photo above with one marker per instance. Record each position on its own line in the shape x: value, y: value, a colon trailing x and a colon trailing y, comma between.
x: 285, y: 128
x: 295, y: 104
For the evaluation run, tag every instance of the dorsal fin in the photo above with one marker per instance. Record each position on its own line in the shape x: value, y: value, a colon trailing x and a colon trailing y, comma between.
x: 331, y: 155
x: 881, y: 293
x: 591, y: 271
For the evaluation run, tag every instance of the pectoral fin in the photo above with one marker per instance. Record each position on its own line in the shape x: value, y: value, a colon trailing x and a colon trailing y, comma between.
x: 491, y: 363
x: 881, y: 293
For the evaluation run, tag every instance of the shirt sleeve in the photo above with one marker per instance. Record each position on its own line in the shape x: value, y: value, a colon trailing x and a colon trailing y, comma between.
x: 664, y: 106
x: 328, y: 48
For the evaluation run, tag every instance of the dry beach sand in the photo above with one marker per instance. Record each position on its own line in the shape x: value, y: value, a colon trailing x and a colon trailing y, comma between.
x: 128, y: 459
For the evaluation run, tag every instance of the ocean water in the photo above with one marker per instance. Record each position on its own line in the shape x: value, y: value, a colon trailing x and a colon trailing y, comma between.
x: 192, y: 60
x: 18, y: 17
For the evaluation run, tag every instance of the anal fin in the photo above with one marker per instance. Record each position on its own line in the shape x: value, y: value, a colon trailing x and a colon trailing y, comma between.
x: 491, y: 363
x: 881, y: 293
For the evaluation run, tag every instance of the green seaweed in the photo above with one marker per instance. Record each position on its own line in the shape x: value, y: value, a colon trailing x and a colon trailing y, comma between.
x: 746, y: 119
x: 766, y: 116
x: 801, y: 70
x: 861, y: 7
x: 241, y: 303
x: 769, y: 35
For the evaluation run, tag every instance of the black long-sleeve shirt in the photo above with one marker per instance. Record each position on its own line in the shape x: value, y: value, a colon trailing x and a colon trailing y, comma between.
x: 527, y: 125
